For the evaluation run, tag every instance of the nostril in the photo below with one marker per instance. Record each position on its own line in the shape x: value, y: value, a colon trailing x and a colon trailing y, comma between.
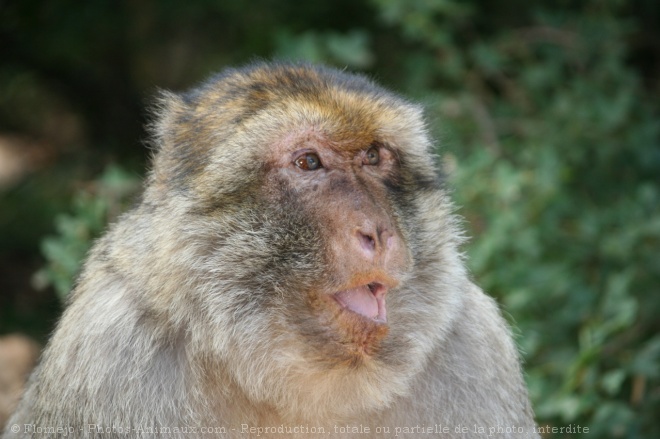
x: 367, y: 241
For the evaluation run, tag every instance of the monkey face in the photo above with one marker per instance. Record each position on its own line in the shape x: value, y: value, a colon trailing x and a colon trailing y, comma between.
x: 319, y: 245
x: 340, y: 186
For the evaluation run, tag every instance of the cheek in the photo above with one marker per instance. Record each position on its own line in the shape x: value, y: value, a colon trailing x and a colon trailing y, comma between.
x: 297, y: 241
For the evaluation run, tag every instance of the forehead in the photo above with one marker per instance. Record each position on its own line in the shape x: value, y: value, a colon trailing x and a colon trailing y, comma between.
x: 275, y: 101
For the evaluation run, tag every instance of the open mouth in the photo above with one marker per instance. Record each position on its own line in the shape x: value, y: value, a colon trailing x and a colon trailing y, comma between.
x: 366, y: 300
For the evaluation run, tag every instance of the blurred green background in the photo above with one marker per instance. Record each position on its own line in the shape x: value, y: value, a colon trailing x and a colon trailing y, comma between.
x: 546, y: 114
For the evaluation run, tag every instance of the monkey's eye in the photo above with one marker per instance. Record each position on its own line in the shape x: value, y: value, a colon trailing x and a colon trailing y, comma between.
x: 308, y: 162
x: 372, y: 156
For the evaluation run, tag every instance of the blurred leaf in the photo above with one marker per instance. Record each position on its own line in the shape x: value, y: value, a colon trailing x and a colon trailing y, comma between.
x: 93, y: 208
x: 350, y: 49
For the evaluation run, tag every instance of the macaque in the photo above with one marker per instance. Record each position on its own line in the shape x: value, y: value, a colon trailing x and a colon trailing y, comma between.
x: 292, y: 268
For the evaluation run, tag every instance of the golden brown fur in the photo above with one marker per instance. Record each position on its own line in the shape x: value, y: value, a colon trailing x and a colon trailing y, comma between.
x: 247, y: 291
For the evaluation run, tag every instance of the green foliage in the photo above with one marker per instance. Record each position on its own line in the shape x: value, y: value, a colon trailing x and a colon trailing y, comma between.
x: 93, y: 208
x: 351, y: 49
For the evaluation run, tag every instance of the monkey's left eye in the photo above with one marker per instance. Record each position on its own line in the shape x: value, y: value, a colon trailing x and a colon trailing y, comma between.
x: 372, y: 156
x: 308, y: 162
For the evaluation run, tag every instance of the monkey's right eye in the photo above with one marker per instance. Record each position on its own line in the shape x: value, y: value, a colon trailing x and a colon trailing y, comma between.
x: 308, y: 162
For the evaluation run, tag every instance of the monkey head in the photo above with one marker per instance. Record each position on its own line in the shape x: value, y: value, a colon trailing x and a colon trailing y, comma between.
x: 309, y: 244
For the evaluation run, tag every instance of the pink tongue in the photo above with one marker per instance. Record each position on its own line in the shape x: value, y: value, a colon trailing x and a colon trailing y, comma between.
x: 360, y: 300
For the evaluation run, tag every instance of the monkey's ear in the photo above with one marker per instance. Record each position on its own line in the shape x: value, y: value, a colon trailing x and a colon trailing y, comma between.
x: 174, y: 156
x: 169, y: 111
